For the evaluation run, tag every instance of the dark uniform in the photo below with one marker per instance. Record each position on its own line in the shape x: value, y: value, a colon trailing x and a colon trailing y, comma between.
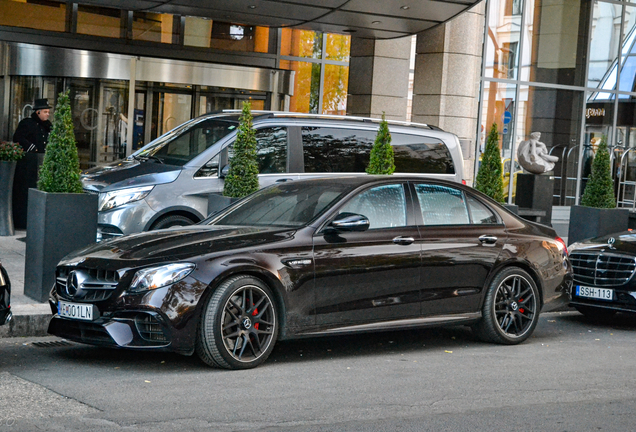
x: 33, y: 133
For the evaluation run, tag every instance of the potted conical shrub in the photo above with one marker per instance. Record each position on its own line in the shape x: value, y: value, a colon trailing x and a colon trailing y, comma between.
x: 242, y: 177
x: 597, y: 215
x: 382, y: 160
x: 490, y: 175
x: 60, y: 216
x: 10, y: 153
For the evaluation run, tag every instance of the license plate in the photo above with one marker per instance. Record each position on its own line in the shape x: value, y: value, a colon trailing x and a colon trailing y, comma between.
x: 80, y: 311
x: 595, y: 293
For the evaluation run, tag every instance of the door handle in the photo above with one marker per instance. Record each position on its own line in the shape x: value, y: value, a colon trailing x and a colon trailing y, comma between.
x: 403, y: 240
x: 283, y: 180
x: 488, y: 239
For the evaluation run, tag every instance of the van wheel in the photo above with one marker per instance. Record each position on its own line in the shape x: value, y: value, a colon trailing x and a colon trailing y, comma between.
x: 172, y: 221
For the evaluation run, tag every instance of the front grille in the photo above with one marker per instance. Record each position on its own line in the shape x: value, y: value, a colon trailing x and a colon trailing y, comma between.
x: 86, y: 285
x: 602, y: 268
x: 149, y: 328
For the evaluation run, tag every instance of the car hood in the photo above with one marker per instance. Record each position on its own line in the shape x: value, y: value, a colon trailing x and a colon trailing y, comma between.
x: 175, y: 244
x: 128, y: 173
x: 623, y: 242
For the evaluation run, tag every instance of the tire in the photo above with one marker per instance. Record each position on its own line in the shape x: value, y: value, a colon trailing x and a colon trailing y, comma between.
x: 239, y: 325
x: 595, y: 313
x: 172, y: 221
x: 511, y: 308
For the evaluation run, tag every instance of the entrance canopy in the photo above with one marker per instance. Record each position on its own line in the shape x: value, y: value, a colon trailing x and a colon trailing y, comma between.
x: 375, y: 19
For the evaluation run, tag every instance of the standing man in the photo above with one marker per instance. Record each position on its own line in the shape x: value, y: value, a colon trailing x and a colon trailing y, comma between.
x: 33, y: 132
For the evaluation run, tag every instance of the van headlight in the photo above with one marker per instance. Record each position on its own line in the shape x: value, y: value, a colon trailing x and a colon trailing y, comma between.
x: 110, y: 200
x: 156, y: 277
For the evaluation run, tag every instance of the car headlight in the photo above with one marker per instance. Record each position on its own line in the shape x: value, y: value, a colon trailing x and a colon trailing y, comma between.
x: 156, y: 277
x: 110, y: 200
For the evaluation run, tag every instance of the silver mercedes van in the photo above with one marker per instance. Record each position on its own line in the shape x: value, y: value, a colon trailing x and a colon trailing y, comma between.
x: 178, y: 178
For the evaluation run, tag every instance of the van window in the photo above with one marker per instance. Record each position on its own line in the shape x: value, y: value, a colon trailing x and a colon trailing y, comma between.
x: 271, y: 150
x: 189, y: 143
x: 421, y: 154
x: 336, y: 149
x: 348, y: 150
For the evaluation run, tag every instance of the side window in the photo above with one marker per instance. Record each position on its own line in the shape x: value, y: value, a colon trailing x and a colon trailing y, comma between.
x: 442, y: 205
x: 480, y: 213
x: 328, y: 149
x: 421, y: 154
x: 271, y: 150
x: 384, y: 206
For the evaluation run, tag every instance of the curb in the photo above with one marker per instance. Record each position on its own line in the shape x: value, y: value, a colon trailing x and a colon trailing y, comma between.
x: 26, y: 326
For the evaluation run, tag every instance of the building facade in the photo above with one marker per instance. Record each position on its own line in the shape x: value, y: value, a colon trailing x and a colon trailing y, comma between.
x: 566, y: 69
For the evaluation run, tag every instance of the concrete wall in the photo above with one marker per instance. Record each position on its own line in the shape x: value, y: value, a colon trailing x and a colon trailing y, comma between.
x: 379, y: 78
x: 447, y: 75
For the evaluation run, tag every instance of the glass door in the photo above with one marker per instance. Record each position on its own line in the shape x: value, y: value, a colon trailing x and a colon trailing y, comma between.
x: 169, y: 110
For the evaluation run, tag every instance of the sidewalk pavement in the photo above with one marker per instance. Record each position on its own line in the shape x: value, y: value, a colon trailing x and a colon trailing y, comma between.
x: 30, y: 318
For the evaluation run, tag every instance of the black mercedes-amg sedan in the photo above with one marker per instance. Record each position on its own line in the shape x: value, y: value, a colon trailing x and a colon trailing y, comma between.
x: 603, y: 275
x: 5, y: 296
x: 315, y: 257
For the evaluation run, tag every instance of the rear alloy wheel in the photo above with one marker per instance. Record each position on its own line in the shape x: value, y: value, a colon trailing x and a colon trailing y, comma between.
x: 172, y: 221
x: 595, y: 313
x: 511, y: 309
x: 238, y: 327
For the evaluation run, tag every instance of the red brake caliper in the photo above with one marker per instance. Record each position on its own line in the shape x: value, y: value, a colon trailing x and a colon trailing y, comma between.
x: 254, y: 314
x: 521, y: 309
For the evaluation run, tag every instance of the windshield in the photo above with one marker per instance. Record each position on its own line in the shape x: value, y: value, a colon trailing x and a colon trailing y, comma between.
x: 187, y: 141
x: 289, y: 205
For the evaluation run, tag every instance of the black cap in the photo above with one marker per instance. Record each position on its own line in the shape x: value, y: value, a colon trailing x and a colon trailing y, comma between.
x: 41, y: 104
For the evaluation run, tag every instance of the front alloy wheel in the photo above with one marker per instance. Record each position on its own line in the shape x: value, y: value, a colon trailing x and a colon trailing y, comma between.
x: 238, y: 327
x: 511, y: 309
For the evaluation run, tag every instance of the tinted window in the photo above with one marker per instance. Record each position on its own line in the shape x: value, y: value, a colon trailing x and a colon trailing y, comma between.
x: 180, y: 147
x: 271, y: 149
x: 384, y: 206
x: 348, y: 150
x: 336, y: 150
x: 442, y: 205
x: 480, y: 214
x: 283, y: 205
x: 421, y: 154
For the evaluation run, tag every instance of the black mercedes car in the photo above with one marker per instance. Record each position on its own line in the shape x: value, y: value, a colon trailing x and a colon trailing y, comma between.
x: 603, y: 270
x: 315, y: 257
x: 5, y: 296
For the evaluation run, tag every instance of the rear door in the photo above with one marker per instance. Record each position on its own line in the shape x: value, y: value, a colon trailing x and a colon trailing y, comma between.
x: 461, y: 240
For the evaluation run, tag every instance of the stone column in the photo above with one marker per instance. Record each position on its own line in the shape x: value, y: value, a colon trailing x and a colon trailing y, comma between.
x: 447, y: 77
x: 379, y: 78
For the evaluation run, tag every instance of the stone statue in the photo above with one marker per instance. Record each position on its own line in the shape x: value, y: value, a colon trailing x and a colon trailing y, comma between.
x: 533, y: 155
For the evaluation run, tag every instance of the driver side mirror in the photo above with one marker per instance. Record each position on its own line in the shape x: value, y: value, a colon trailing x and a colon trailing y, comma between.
x: 350, y: 222
x: 224, y: 171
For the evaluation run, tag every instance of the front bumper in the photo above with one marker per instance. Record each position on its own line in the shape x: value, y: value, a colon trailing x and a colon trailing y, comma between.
x: 163, y: 319
x: 127, y: 219
x: 624, y: 299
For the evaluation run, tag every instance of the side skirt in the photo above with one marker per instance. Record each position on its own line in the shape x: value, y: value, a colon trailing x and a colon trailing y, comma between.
x: 400, y: 324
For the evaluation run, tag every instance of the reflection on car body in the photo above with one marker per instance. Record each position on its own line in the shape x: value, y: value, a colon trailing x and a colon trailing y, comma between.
x: 315, y: 257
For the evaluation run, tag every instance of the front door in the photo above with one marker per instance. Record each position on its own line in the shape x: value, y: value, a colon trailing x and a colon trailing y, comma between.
x: 372, y: 275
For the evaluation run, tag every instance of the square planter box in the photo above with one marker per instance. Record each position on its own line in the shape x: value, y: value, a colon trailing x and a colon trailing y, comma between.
x: 57, y: 224
x: 589, y: 222
x: 218, y: 202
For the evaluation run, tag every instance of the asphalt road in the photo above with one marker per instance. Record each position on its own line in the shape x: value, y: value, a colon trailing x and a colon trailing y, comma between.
x: 572, y: 375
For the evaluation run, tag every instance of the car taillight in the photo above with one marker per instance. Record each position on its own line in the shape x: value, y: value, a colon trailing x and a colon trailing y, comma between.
x: 565, y: 247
